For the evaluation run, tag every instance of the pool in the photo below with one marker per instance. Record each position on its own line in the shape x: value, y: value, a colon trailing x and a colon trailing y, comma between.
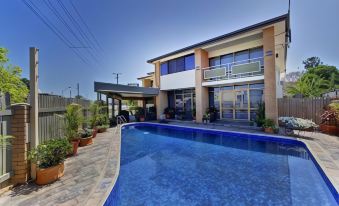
x: 170, y: 165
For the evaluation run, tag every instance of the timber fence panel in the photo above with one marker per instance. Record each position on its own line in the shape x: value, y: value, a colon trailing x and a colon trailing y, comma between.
x: 306, y: 108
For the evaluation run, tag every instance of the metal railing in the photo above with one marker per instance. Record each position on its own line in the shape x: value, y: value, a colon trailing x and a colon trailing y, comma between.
x: 120, y: 119
x: 235, y: 70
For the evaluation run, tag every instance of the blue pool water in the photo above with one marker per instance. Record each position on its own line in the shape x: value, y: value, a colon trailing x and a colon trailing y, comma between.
x: 164, y: 165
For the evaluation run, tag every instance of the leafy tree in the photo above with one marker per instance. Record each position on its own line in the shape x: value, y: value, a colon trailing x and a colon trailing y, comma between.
x: 312, y: 62
x: 326, y: 72
x: 309, y: 85
x: 25, y: 81
x: 10, y: 80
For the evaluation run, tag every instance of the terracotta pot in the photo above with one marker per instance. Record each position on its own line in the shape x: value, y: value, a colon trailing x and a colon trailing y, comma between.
x: 142, y: 119
x: 86, y: 141
x: 168, y: 116
x: 94, y: 133
x: 48, y: 175
x: 101, y: 130
x: 269, y: 130
x: 75, y: 144
x: 329, y: 129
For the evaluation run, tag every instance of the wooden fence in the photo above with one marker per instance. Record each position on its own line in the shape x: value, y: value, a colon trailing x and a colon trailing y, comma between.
x: 306, y: 108
x: 5, y: 150
x: 51, y: 111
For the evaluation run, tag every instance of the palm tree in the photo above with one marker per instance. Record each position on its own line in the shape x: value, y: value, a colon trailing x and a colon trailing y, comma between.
x: 309, y: 85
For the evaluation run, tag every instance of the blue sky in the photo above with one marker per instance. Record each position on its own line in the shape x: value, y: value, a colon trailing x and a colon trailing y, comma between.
x: 131, y: 32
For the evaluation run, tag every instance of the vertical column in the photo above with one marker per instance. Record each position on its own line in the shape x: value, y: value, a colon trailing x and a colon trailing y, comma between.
x: 201, y: 93
x: 271, y: 105
x: 161, y: 101
x: 119, y: 109
x: 19, y: 128
x: 34, y: 139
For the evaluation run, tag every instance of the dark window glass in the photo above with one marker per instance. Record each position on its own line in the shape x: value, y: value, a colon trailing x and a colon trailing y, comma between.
x: 257, y: 86
x: 226, y: 59
x: 214, y: 61
x: 256, y: 97
x: 172, y: 66
x: 240, y: 57
x: 180, y: 64
x: 257, y: 53
x: 171, y: 102
x: 164, y: 68
x: 189, y: 62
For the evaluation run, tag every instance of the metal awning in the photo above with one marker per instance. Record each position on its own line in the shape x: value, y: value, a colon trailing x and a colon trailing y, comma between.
x: 119, y: 91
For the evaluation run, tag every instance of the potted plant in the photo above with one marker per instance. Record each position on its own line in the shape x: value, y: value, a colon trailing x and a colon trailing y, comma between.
x: 140, y: 114
x: 49, y: 158
x: 260, y: 114
x: 73, y: 121
x: 206, y: 118
x: 212, y: 113
x: 269, y: 126
x: 86, y: 137
x: 169, y: 112
x: 294, y: 123
x: 330, y: 119
x: 102, y: 128
x: 194, y: 114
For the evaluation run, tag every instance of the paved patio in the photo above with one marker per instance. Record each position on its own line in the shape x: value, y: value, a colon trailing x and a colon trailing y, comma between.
x: 89, y: 177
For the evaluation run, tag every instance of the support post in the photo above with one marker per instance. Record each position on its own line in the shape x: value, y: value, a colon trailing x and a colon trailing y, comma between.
x: 34, y: 138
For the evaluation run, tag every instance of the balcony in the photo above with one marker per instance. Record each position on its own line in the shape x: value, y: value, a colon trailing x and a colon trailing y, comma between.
x: 235, y: 70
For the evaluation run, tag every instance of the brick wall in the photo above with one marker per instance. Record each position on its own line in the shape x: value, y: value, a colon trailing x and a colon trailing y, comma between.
x: 19, y: 128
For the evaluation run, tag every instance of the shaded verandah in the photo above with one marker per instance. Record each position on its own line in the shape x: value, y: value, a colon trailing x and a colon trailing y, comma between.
x: 117, y: 93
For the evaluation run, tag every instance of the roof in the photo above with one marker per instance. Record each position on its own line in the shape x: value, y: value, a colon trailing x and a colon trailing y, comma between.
x: 149, y: 74
x: 125, y: 91
x: 284, y: 17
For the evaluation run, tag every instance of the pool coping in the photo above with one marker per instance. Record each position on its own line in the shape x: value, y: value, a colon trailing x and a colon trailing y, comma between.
x: 330, y: 182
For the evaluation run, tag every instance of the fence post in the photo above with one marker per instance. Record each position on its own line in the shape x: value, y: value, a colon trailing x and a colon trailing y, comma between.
x: 34, y: 115
x: 19, y: 128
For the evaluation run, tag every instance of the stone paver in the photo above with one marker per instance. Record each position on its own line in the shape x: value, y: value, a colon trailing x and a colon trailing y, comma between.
x: 85, y: 181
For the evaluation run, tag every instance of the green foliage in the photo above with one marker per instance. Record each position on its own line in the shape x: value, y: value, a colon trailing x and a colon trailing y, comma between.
x: 26, y: 82
x: 85, y: 133
x: 334, y: 106
x: 50, y: 153
x: 309, y: 85
x: 73, y: 120
x: 99, y: 114
x: 5, y: 140
x: 260, y: 114
x: 10, y: 80
x: 312, y: 62
x: 269, y: 123
x: 103, y: 126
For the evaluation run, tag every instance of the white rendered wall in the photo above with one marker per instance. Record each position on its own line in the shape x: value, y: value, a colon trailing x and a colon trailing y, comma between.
x: 179, y: 80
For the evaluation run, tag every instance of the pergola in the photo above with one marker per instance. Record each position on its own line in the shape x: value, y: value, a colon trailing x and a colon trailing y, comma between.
x: 124, y: 92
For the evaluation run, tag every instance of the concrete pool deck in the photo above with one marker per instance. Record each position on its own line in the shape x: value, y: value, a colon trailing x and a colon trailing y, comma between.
x: 90, y: 176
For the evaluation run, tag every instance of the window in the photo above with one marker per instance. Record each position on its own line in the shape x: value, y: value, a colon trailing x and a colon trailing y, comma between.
x: 164, y: 68
x: 172, y: 64
x: 226, y: 59
x: 180, y: 64
x: 256, y: 53
x: 241, y: 57
x: 189, y: 62
x: 214, y: 61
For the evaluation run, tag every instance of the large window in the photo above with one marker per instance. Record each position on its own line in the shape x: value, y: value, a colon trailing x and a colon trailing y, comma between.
x: 239, y: 57
x: 178, y: 65
x: 238, y: 101
x: 164, y: 68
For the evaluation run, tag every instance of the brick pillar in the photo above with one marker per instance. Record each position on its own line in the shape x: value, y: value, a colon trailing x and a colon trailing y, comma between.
x: 19, y: 128
x: 201, y: 93
x: 271, y: 104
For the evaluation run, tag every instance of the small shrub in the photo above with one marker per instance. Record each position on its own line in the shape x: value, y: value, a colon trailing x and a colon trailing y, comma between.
x: 85, y: 133
x: 269, y: 123
x: 260, y: 114
x: 73, y: 120
x: 50, y: 153
x: 103, y: 126
x: 297, y: 123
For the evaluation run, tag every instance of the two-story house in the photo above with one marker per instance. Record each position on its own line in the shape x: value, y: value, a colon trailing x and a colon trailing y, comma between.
x: 233, y: 73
